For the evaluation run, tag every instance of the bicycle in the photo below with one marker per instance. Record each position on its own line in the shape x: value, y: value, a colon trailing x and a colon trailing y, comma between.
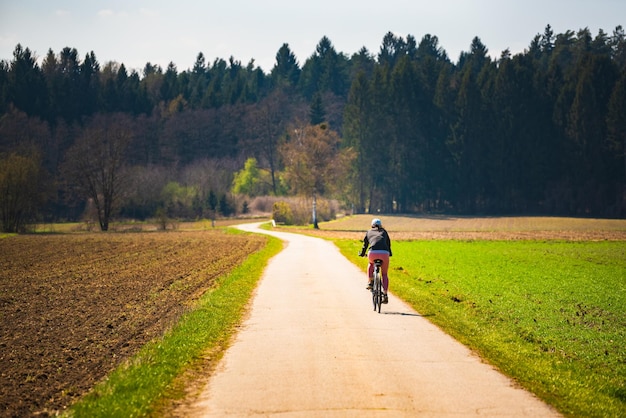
x: 377, y: 285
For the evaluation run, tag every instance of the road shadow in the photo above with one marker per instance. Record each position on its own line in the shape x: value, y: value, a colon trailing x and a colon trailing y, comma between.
x: 405, y: 314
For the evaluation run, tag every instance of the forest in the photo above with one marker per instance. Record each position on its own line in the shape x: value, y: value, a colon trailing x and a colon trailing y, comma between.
x: 402, y: 130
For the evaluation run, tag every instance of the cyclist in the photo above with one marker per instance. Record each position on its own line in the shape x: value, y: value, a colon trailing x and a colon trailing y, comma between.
x: 379, y: 244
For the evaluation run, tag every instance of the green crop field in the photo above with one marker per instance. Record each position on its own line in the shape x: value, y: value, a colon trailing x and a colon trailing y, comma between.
x: 550, y: 314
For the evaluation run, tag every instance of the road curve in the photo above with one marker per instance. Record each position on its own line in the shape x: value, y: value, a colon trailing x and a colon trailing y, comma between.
x: 313, y: 347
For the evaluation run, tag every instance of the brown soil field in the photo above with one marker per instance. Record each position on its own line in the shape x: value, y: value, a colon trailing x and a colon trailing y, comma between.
x: 401, y: 227
x: 74, y: 306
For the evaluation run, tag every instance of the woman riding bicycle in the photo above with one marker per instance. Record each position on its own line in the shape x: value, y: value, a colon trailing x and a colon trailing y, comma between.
x: 379, y: 244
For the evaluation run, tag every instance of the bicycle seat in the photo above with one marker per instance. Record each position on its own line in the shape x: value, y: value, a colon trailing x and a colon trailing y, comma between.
x: 378, y: 262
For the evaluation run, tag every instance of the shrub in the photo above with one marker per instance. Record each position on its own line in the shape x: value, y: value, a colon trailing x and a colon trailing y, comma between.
x: 326, y: 210
x: 263, y: 204
x: 282, y: 213
x: 301, y: 209
x: 21, y: 181
x: 298, y: 211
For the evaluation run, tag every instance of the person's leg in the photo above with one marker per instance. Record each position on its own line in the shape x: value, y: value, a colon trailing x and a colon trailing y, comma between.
x: 370, y: 273
x: 385, y: 268
x: 370, y: 270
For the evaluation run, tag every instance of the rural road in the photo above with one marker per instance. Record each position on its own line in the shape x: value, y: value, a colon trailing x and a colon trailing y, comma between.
x: 313, y: 347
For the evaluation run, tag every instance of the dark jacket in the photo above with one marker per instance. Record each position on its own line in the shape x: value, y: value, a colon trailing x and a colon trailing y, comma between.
x: 376, y: 239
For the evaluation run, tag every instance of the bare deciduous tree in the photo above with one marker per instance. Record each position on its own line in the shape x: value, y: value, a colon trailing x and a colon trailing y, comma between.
x: 95, y: 164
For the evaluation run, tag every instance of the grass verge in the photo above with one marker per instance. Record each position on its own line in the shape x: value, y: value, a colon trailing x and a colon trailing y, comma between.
x: 146, y: 381
x: 549, y: 314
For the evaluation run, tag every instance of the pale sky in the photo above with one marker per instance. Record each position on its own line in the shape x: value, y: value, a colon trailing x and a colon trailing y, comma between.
x: 135, y: 32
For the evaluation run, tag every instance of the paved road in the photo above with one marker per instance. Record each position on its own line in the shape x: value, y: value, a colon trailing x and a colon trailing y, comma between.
x: 313, y: 347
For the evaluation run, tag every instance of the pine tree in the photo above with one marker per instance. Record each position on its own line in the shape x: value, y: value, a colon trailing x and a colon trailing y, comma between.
x: 317, y: 114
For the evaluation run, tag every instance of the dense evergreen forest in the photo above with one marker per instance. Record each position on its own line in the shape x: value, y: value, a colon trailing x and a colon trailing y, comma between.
x: 539, y: 132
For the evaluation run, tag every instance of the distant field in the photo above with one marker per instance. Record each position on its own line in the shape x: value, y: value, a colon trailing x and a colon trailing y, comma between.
x: 413, y: 227
x: 147, y: 226
x: 455, y: 227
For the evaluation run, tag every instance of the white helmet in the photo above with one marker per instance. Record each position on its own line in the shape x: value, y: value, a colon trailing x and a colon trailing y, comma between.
x: 376, y: 222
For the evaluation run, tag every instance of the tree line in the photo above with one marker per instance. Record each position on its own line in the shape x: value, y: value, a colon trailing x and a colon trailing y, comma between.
x: 538, y: 132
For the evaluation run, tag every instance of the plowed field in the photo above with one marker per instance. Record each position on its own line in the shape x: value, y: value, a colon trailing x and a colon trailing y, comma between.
x: 73, y: 306
x: 475, y: 228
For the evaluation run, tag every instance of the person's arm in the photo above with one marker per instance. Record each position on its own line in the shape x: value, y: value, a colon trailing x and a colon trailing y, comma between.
x: 388, y: 242
x: 365, y: 245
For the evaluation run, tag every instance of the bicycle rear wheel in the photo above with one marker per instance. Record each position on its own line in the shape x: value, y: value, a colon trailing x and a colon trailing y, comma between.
x: 377, y: 292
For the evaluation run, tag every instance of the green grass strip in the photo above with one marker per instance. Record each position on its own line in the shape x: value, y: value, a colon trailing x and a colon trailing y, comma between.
x: 135, y: 388
x: 552, y: 315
